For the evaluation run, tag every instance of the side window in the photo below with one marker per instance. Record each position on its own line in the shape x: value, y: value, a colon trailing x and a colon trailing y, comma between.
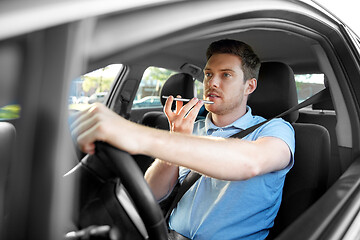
x: 308, y: 85
x: 199, y: 89
x: 148, y: 94
x: 11, y: 111
x: 92, y: 87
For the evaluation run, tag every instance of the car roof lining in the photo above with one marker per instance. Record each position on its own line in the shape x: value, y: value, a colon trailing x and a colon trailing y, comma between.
x: 286, y: 45
x: 110, y: 29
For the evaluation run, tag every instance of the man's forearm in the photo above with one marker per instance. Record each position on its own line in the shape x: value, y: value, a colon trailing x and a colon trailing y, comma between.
x: 214, y: 157
x: 161, y: 177
x: 225, y: 159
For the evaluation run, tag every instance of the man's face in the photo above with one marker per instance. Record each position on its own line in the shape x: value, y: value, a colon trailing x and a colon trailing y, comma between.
x: 224, y: 84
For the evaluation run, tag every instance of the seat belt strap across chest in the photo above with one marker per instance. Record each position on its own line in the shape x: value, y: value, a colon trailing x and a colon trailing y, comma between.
x: 192, y: 176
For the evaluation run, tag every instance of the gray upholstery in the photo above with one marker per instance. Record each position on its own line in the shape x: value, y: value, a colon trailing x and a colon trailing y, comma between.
x: 275, y: 92
x: 307, y: 180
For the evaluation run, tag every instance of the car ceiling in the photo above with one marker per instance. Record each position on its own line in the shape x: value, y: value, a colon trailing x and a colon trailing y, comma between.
x: 268, y: 28
x: 270, y: 45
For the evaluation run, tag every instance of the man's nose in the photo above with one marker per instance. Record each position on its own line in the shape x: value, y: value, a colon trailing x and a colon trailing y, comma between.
x: 214, y: 81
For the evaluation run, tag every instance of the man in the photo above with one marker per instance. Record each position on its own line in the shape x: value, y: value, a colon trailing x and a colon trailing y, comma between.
x: 240, y: 190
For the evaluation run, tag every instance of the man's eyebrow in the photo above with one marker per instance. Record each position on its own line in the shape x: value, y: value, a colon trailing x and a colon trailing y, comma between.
x: 222, y: 70
x: 227, y: 70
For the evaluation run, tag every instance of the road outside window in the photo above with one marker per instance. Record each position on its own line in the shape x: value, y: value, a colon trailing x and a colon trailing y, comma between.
x: 308, y: 85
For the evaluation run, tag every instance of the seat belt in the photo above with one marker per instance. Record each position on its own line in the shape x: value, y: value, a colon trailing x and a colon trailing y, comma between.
x: 192, y: 176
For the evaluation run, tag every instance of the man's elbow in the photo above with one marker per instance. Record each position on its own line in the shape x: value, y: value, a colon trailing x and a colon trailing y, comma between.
x: 242, y: 172
x: 253, y: 171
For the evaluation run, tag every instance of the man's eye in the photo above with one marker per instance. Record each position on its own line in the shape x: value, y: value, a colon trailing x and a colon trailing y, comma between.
x: 227, y: 75
x: 208, y: 75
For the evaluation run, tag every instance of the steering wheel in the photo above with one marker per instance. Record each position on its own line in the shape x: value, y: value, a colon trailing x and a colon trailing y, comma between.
x: 100, y: 175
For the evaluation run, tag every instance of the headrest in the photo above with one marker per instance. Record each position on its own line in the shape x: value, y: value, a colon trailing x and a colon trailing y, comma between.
x: 275, y: 92
x: 178, y: 84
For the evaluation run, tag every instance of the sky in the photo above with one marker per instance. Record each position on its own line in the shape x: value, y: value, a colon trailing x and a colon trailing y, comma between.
x: 346, y: 10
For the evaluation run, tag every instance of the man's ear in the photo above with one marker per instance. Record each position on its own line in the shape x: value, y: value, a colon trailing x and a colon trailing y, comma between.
x: 250, y: 86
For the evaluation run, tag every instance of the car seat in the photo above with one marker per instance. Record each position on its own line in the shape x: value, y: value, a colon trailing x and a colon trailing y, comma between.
x: 325, y: 115
x: 307, y: 180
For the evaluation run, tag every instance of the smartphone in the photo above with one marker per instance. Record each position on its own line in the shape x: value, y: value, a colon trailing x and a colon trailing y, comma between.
x: 187, y: 100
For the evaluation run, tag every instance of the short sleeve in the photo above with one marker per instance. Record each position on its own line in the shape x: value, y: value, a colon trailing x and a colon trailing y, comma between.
x: 183, y: 172
x: 283, y: 130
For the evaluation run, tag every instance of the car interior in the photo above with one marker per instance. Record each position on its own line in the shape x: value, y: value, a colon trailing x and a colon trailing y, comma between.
x: 289, y: 43
x: 323, y: 143
x: 276, y: 93
x: 317, y: 158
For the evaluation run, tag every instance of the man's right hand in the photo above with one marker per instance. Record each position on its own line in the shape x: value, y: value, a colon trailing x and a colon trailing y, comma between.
x: 183, y: 118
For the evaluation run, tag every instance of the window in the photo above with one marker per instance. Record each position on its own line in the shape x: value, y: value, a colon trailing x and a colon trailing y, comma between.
x: 199, y: 89
x: 308, y: 85
x: 11, y: 111
x: 153, y: 79
x: 92, y: 87
x: 148, y: 94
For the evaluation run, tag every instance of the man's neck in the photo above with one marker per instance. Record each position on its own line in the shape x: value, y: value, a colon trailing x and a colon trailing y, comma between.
x: 226, y: 119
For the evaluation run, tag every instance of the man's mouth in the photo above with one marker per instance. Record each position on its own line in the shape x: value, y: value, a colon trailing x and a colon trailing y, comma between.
x: 212, y: 96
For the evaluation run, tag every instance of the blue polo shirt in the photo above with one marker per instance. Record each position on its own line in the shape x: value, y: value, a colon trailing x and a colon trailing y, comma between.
x: 217, y: 209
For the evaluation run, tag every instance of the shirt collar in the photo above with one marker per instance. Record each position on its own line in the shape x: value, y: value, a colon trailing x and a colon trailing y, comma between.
x: 241, y: 123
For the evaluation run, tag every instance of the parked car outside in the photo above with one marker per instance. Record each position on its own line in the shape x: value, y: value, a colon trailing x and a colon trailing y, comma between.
x: 146, y: 102
x: 97, y: 97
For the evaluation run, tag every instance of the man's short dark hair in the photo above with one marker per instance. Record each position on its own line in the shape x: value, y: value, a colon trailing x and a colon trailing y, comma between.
x: 250, y: 61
